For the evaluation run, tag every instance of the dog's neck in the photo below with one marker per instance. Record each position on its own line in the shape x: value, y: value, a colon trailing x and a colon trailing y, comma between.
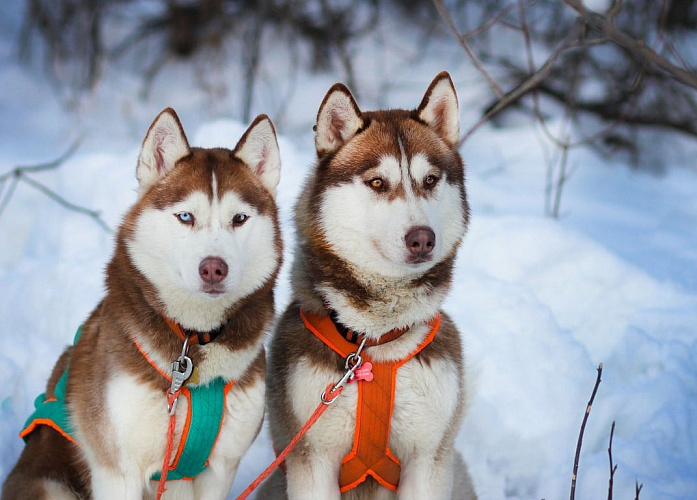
x: 360, y: 338
x: 194, y: 337
x: 372, y: 306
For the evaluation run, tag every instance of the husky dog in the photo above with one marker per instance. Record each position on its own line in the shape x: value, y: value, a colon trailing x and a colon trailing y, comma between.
x: 189, y: 295
x: 379, y: 223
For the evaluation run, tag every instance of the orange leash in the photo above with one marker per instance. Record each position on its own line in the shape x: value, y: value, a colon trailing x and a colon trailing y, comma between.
x: 170, y: 444
x: 181, y: 371
x: 321, y: 408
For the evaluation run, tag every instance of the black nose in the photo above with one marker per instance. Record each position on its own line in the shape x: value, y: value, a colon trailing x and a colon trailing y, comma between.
x: 420, y: 241
x: 212, y: 270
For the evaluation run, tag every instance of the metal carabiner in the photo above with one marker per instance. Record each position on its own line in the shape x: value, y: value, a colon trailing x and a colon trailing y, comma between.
x: 353, y: 361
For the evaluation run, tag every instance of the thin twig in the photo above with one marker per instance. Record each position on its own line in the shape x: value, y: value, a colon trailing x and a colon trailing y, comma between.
x: 561, y: 178
x: 614, y: 10
x: 43, y: 166
x: 19, y: 173
x: 583, y: 428
x: 612, y: 468
x: 638, y: 47
x: 96, y: 215
x: 445, y: 14
x: 638, y: 488
x: 10, y: 191
x: 512, y: 96
x: 483, y: 28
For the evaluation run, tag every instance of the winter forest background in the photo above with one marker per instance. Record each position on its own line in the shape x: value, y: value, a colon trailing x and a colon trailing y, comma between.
x: 579, y: 131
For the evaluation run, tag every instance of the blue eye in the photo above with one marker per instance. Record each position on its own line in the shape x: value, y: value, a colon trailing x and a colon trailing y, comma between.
x: 185, y: 218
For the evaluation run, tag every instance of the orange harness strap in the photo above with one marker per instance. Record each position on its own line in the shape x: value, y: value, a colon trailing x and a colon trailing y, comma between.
x: 370, y: 454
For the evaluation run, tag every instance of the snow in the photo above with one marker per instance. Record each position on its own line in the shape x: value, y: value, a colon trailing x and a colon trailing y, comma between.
x: 540, y: 302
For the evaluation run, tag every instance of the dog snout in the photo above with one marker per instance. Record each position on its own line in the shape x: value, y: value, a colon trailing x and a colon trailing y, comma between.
x: 420, y: 241
x: 212, y: 270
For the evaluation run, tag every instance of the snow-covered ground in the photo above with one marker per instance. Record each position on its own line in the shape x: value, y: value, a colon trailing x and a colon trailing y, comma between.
x: 540, y: 302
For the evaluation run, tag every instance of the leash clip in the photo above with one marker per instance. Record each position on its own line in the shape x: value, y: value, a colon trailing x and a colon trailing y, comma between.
x: 352, y: 363
x: 181, y: 370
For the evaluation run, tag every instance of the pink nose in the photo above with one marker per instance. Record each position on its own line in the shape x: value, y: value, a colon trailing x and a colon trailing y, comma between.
x: 420, y: 241
x: 212, y: 270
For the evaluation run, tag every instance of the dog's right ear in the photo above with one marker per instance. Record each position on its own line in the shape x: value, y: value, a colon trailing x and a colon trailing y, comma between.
x: 164, y: 145
x: 338, y: 119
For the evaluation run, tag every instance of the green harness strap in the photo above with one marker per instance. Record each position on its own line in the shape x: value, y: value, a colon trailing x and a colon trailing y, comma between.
x: 206, y: 405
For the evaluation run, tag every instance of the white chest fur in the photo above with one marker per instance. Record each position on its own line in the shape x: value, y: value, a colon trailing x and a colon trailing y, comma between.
x: 138, y: 422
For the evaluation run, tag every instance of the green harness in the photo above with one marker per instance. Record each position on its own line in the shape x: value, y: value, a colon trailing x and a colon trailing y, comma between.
x: 206, y: 405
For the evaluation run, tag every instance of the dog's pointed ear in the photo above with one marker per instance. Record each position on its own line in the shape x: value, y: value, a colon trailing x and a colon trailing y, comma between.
x: 164, y: 145
x: 338, y: 119
x: 439, y: 109
x: 258, y: 148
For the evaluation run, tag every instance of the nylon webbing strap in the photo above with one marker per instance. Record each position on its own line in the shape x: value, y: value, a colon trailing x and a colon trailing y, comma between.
x: 203, y: 422
x: 370, y: 455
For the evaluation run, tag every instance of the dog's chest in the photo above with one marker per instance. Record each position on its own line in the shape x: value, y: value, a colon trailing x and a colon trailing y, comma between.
x: 139, y: 418
x: 425, y: 401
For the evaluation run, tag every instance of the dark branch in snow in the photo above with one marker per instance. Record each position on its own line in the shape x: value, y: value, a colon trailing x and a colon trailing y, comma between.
x: 638, y: 488
x: 19, y: 173
x: 612, y: 468
x: 580, y: 435
x: 638, y: 47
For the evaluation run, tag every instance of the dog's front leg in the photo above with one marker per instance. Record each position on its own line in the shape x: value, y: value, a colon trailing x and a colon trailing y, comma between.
x: 427, y: 477
x: 310, y: 477
x: 214, y: 482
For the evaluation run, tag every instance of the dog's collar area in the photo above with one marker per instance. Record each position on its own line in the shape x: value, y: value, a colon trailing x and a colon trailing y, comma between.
x: 358, y: 338
x: 200, y: 338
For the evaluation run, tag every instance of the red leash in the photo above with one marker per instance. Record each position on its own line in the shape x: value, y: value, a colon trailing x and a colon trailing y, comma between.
x: 170, y: 444
x: 321, y: 408
x: 181, y: 371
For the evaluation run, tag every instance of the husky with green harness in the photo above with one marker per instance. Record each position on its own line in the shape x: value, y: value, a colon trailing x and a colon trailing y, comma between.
x: 162, y: 391
x: 204, y: 416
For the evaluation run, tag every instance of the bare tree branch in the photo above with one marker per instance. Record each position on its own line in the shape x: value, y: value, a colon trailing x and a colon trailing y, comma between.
x: 4, y: 201
x: 445, y: 14
x: 607, y: 28
x: 583, y: 428
x: 43, y: 166
x: 533, y: 81
x: 20, y: 174
x: 638, y: 488
x: 612, y: 468
x: 94, y: 214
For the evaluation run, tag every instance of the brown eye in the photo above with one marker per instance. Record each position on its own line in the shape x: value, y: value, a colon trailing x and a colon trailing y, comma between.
x: 430, y: 180
x: 376, y: 183
x: 239, y: 219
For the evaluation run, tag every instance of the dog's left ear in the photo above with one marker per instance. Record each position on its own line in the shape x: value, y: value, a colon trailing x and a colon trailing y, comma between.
x: 164, y: 145
x: 258, y: 148
x: 439, y: 109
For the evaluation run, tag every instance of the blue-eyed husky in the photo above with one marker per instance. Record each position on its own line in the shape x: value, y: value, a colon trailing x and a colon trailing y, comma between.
x: 189, y: 295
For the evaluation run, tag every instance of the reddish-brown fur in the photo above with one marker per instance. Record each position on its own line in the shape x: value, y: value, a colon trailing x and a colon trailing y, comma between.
x: 132, y: 306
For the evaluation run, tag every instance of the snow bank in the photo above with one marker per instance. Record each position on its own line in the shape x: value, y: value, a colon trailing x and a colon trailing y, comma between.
x: 540, y: 303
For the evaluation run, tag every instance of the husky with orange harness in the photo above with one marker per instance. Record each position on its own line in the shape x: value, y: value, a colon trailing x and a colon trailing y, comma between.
x: 379, y: 223
x: 163, y: 390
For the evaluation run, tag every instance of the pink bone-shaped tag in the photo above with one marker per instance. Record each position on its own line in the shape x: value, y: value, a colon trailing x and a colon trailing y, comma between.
x: 363, y: 372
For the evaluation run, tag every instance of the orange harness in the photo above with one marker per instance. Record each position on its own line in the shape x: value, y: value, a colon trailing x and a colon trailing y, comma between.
x: 370, y: 454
